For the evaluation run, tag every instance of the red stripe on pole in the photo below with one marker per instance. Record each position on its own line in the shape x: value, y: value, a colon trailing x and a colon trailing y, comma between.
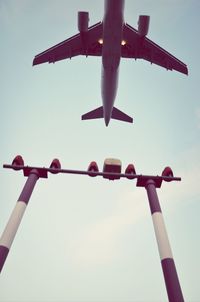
x: 171, y: 280
x: 152, y: 196
x: 29, y: 186
x: 3, y: 255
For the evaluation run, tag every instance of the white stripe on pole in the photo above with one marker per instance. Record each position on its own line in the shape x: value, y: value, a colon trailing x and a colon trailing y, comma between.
x: 13, y: 224
x: 161, y: 236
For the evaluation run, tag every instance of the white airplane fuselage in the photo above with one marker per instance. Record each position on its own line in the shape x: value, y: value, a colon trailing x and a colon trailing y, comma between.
x: 111, y: 53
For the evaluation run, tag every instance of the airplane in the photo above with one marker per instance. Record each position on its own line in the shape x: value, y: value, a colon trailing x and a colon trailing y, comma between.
x: 112, y: 39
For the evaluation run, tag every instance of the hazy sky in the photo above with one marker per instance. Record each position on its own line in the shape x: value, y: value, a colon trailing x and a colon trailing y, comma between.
x: 87, y: 239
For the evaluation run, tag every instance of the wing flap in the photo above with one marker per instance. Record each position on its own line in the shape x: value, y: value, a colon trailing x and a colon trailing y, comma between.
x: 60, y: 51
x: 143, y: 48
x: 73, y: 47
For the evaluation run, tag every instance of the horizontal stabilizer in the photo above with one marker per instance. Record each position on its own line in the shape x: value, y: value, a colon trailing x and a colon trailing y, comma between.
x: 96, y: 113
x: 119, y: 115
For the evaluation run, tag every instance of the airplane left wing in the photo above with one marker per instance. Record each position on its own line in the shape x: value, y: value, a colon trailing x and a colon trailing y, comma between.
x: 143, y: 48
x: 74, y: 46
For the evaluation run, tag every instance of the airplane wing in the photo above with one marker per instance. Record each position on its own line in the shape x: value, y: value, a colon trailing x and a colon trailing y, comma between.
x: 142, y: 48
x: 73, y: 47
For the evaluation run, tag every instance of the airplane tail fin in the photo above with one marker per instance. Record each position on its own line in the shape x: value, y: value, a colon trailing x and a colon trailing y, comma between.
x: 121, y: 116
x: 96, y: 113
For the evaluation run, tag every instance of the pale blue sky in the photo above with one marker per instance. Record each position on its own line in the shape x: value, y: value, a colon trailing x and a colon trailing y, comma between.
x: 87, y: 239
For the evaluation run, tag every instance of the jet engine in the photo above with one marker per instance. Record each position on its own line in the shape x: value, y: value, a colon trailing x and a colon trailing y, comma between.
x: 143, y: 25
x: 83, y: 20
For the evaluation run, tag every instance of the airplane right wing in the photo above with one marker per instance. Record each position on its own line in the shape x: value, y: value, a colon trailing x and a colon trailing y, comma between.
x: 143, y: 48
x: 73, y: 47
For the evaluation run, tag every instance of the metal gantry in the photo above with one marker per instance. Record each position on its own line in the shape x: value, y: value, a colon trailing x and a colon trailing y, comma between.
x: 111, y: 171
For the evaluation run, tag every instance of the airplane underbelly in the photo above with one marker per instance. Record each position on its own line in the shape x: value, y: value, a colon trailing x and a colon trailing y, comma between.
x: 109, y: 87
x: 111, y: 61
x: 112, y: 37
x: 111, y: 54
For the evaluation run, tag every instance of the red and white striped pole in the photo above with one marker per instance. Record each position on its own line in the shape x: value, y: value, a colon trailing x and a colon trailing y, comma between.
x: 149, y: 182
x: 168, y: 266
x: 16, y: 216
